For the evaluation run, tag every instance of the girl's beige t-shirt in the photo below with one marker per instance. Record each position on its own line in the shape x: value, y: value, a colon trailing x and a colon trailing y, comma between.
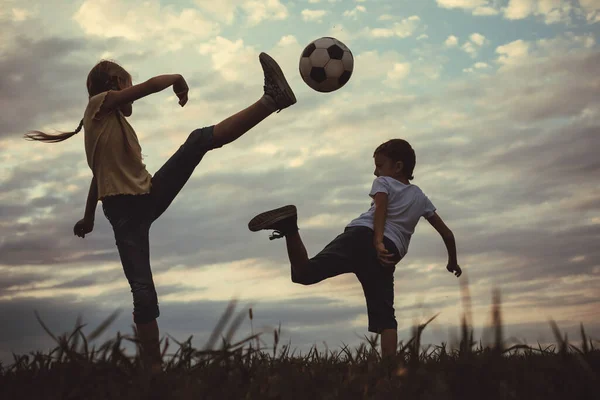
x: 113, y: 152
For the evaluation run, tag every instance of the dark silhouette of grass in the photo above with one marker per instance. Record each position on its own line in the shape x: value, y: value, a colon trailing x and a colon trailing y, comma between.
x: 247, y: 369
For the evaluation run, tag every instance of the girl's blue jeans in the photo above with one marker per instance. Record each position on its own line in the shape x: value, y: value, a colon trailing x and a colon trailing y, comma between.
x: 132, y: 215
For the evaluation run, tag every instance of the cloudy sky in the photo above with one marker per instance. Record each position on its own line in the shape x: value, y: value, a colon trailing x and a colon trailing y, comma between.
x: 499, y: 98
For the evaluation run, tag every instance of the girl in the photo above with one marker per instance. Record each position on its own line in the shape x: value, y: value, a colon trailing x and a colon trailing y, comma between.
x: 132, y: 199
x: 373, y: 243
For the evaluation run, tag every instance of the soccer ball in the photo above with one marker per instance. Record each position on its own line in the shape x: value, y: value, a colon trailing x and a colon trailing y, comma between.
x: 326, y: 64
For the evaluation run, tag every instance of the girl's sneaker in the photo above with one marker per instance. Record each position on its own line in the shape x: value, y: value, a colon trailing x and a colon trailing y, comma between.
x: 278, y: 93
x: 283, y: 221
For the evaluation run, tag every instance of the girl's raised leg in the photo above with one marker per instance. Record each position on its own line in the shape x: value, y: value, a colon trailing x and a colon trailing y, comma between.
x: 277, y: 95
x: 235, y: 126
x: 174, y: 174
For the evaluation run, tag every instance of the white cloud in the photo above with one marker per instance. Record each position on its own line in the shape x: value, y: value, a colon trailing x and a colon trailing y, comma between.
x: 519, y: 9
x: 255, y: 11
x: 374, y: 66
x: 422, y: 36
x: 477, y: 7
x: 148, y: 22
x: 287, y: 40
x: 223, y: 10
x: 452, y: 41
x: 398, y: 72
x: 476, y: 66
x: 513, y: 53
x: 340, y: 32
x: 467, y: 4
x: 386, y: 17
x: 469, y: 48
x: 591, y: 8
x: 354, y: 12
x: 232, y: 60
x: 521, y: 53
x: 485, y: 11
x: 552, y: 11
x: 22, y: 14
x: 477, y: 38
x: 260, y: 10
x: 313, y: 15
x: 402, y: 29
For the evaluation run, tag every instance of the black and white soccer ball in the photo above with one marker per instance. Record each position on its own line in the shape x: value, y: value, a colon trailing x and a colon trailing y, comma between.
x: 326, y: 64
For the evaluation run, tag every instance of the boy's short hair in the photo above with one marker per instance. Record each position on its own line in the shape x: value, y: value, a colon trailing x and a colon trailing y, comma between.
x: 399, y: 150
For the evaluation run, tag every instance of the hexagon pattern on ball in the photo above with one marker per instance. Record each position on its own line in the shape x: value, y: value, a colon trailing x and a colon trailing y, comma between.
x: 326, y: 64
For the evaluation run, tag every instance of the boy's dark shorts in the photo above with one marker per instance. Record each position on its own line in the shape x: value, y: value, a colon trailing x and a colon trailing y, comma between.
x: 132, y: 215
x: 353, y: 252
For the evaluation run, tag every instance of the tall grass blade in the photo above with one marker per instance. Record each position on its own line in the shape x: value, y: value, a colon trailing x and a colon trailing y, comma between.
x: 37, y: 316
x: 497, y: 321
x: 220, y: 325
x: 105, y: 324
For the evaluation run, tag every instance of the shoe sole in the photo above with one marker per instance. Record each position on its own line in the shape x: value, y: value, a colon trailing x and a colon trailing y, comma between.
x: 266, y: 219
x: 277, y: 73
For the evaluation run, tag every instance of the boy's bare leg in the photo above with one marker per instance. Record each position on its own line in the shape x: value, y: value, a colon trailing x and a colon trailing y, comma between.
x: 296, y: 252
x: 283, y: 221
x: 389, y: 342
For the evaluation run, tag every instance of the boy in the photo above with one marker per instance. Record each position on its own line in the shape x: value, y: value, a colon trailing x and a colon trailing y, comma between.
x: 373, y: 243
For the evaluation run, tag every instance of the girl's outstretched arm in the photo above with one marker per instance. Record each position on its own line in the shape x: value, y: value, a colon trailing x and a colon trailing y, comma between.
x: 117, y: 98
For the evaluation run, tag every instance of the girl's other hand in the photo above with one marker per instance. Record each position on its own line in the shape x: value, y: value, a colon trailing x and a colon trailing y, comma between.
x: 83, y: 227
x: 181, y: 89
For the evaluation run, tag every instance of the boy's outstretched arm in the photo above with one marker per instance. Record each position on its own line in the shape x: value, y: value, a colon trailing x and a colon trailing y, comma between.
x: 449, y: 241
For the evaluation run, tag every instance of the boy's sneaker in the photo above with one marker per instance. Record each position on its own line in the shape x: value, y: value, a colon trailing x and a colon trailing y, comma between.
x: 278, y: 92
x: 283, y: 221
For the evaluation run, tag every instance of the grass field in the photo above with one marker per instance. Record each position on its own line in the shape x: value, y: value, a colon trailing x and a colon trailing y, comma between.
x: 248, y: 369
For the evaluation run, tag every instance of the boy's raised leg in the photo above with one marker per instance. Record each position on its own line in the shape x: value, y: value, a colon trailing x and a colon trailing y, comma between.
x: 277, y: 95
x: 284, y: 221
x: 296, y: 252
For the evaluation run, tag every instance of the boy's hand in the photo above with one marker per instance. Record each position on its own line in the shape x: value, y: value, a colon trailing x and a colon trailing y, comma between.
x: 454, y: 268
x: 383, y: 255
x: 83, y: 227
x: 181, y: 89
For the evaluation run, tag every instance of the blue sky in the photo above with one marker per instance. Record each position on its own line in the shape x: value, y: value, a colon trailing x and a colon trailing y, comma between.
x: 498, y: 98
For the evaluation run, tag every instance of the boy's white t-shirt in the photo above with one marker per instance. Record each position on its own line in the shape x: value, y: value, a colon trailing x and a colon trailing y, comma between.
x: 406, y: 205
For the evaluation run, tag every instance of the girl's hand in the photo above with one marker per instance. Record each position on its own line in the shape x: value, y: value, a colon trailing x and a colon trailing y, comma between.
x: 454, y: 268
x: 181, y: 89
x: 383, y: 255
x: 83, y: 227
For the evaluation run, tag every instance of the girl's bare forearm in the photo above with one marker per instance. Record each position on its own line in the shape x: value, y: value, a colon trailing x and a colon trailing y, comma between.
x: 92, y: 200
x: 161, y: 82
